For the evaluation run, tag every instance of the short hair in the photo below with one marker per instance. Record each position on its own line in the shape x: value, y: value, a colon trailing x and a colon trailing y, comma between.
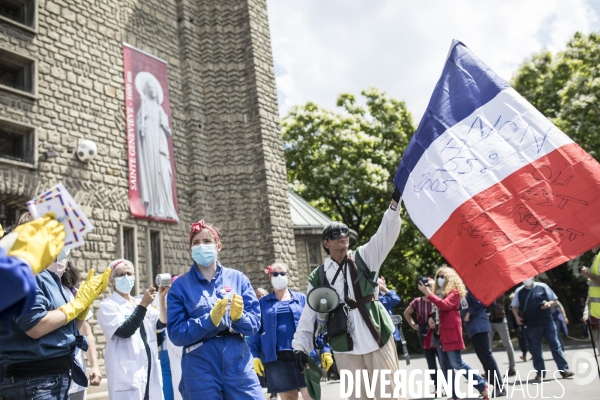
x: 118, y: 265
x: 327, y: 230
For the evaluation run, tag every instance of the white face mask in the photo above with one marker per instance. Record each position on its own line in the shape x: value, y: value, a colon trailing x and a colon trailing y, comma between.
x: 279, y: 282
x: 58, y: 267
x: 528, y: 282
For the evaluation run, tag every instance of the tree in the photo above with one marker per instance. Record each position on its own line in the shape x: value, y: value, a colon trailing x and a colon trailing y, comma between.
x: 343, y: 163
x: 566, y: 88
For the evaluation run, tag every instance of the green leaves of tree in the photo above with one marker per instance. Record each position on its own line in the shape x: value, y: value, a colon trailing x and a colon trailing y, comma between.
x: 566, y: 88
x: 344, y: 162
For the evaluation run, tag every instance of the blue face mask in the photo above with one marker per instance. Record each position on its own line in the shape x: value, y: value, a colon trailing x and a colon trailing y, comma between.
x: 441, y: 282
x: 124, y: 284
x: 204, y: 254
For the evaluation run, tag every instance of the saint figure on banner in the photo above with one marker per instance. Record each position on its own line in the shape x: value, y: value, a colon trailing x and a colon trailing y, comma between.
x: 155, y: 174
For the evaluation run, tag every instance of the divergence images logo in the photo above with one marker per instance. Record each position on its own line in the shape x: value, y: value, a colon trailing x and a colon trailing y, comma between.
x: 584, y: 367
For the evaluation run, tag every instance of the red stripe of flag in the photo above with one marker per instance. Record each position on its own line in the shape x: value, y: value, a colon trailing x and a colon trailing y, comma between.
x: 541, y: 216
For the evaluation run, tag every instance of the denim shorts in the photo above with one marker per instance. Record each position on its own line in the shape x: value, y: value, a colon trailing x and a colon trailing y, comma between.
x: 283, y: 374
x: 51, y: 387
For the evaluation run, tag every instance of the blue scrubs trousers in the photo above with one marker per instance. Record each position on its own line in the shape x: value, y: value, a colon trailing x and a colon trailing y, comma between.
x: 221, y: 368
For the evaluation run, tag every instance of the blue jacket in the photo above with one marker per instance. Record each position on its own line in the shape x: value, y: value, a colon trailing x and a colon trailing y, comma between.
x: 263, y: 345
x: 192, y: 297
x: 17, y: 347
x: 389, y: 301
x: 18, y: 288
x: 478, y: 321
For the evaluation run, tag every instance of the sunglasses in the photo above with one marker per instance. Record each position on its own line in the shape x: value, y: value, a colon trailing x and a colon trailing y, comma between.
x: 441, y: 276
x: 278, y: 273
x: 337, y: 232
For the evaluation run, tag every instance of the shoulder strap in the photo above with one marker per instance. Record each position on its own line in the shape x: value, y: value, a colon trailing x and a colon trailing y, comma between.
x: 364, y: 270
x: 322, y: 279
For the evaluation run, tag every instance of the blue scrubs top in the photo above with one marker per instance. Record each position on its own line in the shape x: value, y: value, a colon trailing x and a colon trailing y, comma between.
x: 192, y: 297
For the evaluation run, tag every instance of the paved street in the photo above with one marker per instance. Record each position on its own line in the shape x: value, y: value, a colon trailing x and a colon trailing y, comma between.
x: 551, y: 388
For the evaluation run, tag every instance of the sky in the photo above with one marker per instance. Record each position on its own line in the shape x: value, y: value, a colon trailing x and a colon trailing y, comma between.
x: 322, y: 48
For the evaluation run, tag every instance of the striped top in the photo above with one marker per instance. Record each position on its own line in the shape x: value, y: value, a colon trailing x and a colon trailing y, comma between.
x: 422, y: 308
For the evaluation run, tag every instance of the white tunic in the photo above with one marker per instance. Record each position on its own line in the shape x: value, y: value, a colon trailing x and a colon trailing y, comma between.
x: 125, y: 360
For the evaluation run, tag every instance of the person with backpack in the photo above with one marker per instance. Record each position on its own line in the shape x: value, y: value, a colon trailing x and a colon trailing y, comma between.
x: 360, y: 330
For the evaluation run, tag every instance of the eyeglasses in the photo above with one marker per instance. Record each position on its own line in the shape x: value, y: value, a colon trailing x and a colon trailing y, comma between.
x: 337, y: 232
x: 278, y: 273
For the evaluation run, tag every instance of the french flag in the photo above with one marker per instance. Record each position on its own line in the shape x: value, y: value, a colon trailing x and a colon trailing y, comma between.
x: 499, y: 190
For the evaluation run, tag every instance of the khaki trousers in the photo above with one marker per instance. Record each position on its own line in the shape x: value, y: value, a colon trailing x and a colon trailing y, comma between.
x: 380, y: 359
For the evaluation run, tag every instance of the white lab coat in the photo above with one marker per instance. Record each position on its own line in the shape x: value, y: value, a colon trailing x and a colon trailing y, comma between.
x: 125, y: 359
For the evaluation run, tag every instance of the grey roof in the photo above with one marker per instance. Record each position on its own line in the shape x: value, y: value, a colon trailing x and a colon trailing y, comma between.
x: 304, y: 215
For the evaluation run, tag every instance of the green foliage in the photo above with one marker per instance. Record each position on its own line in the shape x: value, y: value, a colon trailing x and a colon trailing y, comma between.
x: 566, y: 88
x: 344, y: 162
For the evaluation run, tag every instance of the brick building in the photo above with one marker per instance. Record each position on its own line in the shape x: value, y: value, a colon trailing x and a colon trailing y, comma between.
x: 61, y: 82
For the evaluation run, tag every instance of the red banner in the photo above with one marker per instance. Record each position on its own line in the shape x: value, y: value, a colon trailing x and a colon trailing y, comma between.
x: 152, y: 190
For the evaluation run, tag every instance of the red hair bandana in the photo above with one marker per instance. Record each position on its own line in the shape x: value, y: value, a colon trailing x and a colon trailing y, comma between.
x: 198, y: 226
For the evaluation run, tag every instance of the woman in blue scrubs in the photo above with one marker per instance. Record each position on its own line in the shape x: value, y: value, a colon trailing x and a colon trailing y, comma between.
x: 209, y: 311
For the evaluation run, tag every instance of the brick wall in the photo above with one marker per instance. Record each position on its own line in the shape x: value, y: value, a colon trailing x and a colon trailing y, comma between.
x: 228, y: 149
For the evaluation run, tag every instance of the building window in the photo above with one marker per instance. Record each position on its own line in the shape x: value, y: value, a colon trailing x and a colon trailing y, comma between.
x: 17, y: 73
x: 10, y: 214
x: 314, y: 252
x: 129, y: 244
x: 156, y: 253
x: 18, y: 143
x: 20, y: 12
x: 128, y: 250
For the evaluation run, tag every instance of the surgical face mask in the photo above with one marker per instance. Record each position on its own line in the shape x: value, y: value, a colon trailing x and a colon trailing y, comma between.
x: 204, y: 254
x: 279, y: 282
x: 124, y: 284
x: 58, y: 267
x: 440, y: 282
x: 528, y: 282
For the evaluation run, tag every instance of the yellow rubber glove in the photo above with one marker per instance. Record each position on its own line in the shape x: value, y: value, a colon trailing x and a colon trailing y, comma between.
x: 326, y: 361
x: 39, y: 242
x: 86, y: 294
x: 258, y: 367
x: 218, y: 311
x: 237, y: 307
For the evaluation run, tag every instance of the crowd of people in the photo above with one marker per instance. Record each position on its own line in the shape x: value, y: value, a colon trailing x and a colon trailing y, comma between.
x: 209, y: 334
x: 534, y: 312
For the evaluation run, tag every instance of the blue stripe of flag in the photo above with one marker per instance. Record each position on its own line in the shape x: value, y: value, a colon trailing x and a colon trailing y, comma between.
x: 465, y: 85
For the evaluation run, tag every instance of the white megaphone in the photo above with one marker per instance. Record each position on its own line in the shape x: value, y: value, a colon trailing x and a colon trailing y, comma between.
x: 323, y: 300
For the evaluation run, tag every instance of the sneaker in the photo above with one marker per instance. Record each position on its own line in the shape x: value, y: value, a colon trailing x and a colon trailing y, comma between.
x: 566, y: 374
x: 512, y: 372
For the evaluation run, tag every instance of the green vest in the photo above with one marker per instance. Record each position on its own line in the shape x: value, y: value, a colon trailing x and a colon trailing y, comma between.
x: 595, y: 289
x: 377, y: 314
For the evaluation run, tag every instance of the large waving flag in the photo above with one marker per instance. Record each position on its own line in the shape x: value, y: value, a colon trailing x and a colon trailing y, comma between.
x: 494, y: 185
